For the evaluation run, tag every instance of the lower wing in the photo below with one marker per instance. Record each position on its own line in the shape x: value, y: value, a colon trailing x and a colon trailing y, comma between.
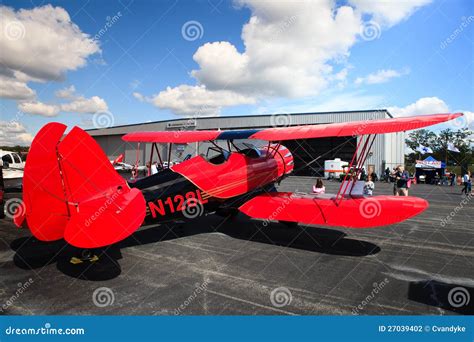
x: 350, y: 212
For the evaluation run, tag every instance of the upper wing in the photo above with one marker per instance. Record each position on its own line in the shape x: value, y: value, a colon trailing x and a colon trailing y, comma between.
x: 353, y: 128
x: 171, y: 136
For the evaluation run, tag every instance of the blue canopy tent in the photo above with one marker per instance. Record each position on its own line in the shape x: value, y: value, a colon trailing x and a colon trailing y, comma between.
x: 431, y: 169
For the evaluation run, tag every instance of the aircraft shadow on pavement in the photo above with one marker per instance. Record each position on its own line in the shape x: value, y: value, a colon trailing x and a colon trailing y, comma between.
x: 452, y: 297
x: 314, y: 239
x: 31, y: 253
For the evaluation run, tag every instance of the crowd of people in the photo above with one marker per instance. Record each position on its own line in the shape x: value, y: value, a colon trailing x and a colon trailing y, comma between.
x: 368, y: 180
x: 400, y: 177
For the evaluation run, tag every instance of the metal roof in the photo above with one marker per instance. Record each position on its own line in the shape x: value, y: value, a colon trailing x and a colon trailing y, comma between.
x: 245, y: 121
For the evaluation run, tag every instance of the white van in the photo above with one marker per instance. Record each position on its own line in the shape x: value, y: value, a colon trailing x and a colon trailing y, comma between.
x: 334, y: 168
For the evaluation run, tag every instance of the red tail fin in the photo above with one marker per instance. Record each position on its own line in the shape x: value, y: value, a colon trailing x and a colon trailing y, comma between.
x: 71, y: 190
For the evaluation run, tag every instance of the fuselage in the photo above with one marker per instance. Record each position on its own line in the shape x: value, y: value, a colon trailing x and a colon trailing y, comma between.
x: 226, y: 180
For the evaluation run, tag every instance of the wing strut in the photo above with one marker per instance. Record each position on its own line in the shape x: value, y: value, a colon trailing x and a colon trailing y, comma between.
x: 359, y: 162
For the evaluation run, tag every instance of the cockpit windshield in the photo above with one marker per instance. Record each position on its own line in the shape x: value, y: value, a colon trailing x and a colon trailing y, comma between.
x: 216, y: 155
x: 248, y: 150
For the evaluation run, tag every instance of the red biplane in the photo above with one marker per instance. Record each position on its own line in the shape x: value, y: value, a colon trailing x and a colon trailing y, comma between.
x: 72, y: 191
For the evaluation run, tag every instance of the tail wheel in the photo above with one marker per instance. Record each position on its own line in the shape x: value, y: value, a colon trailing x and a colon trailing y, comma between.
x: 86, y: 256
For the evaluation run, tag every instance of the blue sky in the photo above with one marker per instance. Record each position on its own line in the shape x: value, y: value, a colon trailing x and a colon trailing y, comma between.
x: 289, y: 59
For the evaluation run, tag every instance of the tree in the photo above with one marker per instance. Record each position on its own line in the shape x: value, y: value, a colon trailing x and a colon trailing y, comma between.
x: 460, y: 139
x: 420, y: 137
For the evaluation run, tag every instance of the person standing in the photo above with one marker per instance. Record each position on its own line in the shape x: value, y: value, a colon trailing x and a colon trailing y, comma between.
x: 393, y: 178
x: 363, y: 174
x: 387, y: 175
x: 401, y: 179
x: 465, y: 183
x: 369, y: 186
x: 453, y: 178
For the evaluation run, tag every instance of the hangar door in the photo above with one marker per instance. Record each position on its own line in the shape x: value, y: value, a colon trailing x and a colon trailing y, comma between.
x: 306, y: 150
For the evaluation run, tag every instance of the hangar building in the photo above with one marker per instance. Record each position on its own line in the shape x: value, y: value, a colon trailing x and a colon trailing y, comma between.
x: 387, y: 150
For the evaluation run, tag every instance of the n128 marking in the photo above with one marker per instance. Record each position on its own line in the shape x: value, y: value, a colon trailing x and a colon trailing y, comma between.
x: 174, y: 203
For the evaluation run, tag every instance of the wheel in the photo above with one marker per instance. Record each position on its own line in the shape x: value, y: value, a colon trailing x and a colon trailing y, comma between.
x: 90, y: 265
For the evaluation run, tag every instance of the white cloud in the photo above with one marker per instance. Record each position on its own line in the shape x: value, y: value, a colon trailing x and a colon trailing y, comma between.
x: 195, y: 100
x: 85, y: 105
x: 11, y: 88
x: 470, y: 120
x: 288, y: 47
x: 14, y: 133
x: 389, y: 12
x: 78, y: 104
x: 291, y: 50
x: 380, y: 76
x: 39, y: 108
x: 66, y: 93
x: 38, y: 45
x: 424, y: 105
x: 43, y: 42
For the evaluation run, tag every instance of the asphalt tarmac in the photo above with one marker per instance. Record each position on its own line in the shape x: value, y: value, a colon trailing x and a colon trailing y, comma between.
x: 238, y: 266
